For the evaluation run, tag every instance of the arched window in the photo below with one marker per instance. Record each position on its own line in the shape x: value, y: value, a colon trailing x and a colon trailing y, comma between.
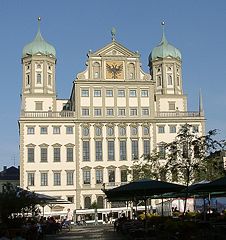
x: 110, y: 131
x: 170, y: 80
x: 87, y: 202
x: 178, y: 81
x: 159, y: 81
x: 98, y: 131
x: 85, y: 131
x: 96, y: 70
x: 39, y: 78
x: 100, y: 202
x: 131, y: 71
x: 49, y: 79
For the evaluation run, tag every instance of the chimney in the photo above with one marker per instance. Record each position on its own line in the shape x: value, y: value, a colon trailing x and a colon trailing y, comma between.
x: 4, y: 168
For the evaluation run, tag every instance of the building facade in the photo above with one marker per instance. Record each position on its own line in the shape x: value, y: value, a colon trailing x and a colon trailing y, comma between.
x: 116, y: 113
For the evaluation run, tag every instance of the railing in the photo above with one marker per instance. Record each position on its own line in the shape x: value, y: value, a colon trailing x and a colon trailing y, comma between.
x: 178, y: 114
x: 49, y: 114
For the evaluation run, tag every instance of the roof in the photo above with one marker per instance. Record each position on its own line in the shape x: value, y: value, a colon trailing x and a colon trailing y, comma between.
x: 11, y: 173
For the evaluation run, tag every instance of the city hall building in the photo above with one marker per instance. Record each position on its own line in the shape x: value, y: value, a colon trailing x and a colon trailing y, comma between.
x: 116, y: 113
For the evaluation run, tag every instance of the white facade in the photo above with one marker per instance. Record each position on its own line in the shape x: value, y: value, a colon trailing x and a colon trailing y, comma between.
x: 116, y: 113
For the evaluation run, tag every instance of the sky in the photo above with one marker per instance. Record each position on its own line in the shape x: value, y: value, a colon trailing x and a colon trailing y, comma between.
x: 196, y: 27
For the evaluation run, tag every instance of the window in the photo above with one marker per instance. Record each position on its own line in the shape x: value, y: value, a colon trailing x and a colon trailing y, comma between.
x: 49, y: 79
x: 86, y: 176
x: 43, y: 130
x: 70, y: 199
x: 145, y: 112
x: 28, y: 79
x: 172, y: 106
x: 134, y: 149
x: 39, y: 66
x: 172, y: 129
x: 144, y: 93
x: 44, y: 154
x: 56, y: 154
x: 133, y: 112
x: 86, y: 151
x: 70, y: 154
x: 98, y: 145
x: 85, y: 112
x: 110, y: 131
x: 110, y: 112
x: 185, y: 151
x: 134, y: 131
x: 97, y: 93
x: 49, y: 68
x: 146, y: 148
x: 56, y: 130
x: 30, y: 130
x: 87, y: 202
x: 30, y: 179
x: 121, y: 93
x: 98, y: 131
x: 99, y: 176
x: 111, y: 150
x: 44, y: 179
x: 161, y: 129
x: 100, y: 202
x: 85, y: 131
x: 162, y: 152
x: 57, y: 179
x: 97, y: 112
x: 195, y: 128
x: 146, y: 130
x: 39, y: 78
x: 122, y: 145
x: 159, y: 81
x: 132, y: 93
x: 70, y: 177
x: 38, y: 106
x: 69, y: 130
x: 85, y: 93
x: 170, y: 80
x: 122, y: 131
x: 111, y: 175
x: 96, y: 70
x: 30, y: 154
x: 178, y: 80
x: 131, y: 71
x: 123, y: 175
x: 109, y: 93
x: 122, y: 112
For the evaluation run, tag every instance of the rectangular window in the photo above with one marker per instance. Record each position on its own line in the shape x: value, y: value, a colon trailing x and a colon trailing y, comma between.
x: 162, y: 152
x: 70, y: 154
x: 144, y: 93
x: 109, y: 93
x: 86, y: 176
x: 44, y: 154
x: 111, y: 150
x: 98, y: 145
x: 31, y: 154
x: 145, y: 112
x: 38, y: 106
x: 70, y: 199
x: 111, y: 176
x: 30, y: 179
x: 99, y: 176
x: 122, y: 150
x: 56, y: 179
x: 30, y: 130
x: 56, y: 154
x: 85, y: 93
x: 132, y: 93
x: 134, y: 149
x: 110, y: 112
x: 161, y: 129
x: 69, y: 130
x: 121, y: 93
x: 133, y: 112
x: 39, y: 78
x: 97, y: 112
x: 172, y: 129
x: 123, y: 176
x: 97, y: 93
x: 56, y: 130
x: 86, y: 151
x: 85, y: 112
x: 43, y: 130
x: 44, y: 179
x: 172, y: 106
x: 70, y: 177
x: 146, y: 148
x: 122, y: 112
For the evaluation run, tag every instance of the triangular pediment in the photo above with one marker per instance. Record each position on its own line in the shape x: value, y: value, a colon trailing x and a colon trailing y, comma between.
x: 115, y: 49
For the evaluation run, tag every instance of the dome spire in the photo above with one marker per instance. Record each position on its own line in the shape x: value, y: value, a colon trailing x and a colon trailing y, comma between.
x: 163, y: 41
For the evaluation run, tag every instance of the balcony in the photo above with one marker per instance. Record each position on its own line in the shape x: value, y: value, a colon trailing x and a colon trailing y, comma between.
x: 47, y: 114
x: 177, y: 114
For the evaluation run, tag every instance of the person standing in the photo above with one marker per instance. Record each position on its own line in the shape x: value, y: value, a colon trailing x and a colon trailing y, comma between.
x: 69, y: 218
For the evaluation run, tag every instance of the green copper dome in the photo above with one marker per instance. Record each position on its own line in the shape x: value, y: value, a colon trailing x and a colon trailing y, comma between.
x: 39, y: 45
x: 164, y: 49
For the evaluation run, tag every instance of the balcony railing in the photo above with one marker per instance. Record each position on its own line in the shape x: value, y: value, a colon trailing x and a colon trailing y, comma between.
x: 48, y: 114
x: 177, y: 114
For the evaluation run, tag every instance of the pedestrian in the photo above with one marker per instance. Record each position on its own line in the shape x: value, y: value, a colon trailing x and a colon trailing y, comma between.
x: 69, y: 218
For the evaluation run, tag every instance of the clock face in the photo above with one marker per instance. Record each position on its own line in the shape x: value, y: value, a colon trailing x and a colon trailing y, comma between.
x: 114, y: 70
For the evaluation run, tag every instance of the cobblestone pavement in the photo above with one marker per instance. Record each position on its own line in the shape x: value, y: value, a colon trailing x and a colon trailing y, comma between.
x: 100, y: 232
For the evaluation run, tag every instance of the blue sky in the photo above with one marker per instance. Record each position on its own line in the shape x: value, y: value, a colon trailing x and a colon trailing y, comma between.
x: 196, y: 27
